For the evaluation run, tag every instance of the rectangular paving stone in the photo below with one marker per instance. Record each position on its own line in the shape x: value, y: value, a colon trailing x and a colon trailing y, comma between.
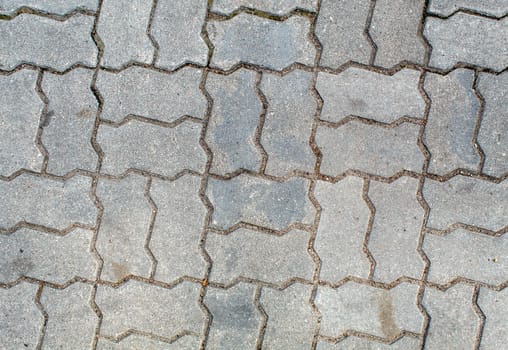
x: 489, y: 7
x: 260, y: 41
x: 134, y: 341
x: 59, y: 7
x: 47, y: 42
x: 351, y: 342
x: 494, y: 305
x: 277, y: 7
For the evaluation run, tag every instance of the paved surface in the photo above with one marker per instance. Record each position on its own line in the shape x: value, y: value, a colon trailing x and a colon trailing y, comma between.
x: 240, y: 174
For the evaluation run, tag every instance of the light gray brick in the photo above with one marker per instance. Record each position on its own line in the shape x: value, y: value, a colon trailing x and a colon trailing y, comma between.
x: 134, y: 341
x: 59, y: 7
x: 467, y: 200
x: 489, y: 7
x: 177, y: 28
x: 291, y: 319
x: 51, y: 203
x: 20, y: 110
x: 260, y: 202
x: 122, y: 28
x: 254, y: 254
x: 351, y: 342
x: 494, y: 305
x: 48, y: 257
x: 468, y: 38
x: 47, y: 42
x: 371, y: 149
x: 70, y: 121
x: 278, y: 7
x: 288, y: 122
x: 340, y: 29
x: 342, y: 228
x: 371, y: 95
x: 231, y: 132
x: 151, y: 94
x: 257, y: 40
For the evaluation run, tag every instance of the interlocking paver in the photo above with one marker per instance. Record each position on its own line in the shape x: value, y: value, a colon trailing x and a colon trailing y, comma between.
x: 20, y: 110
x: 288, y: 123
x: 69, y: 122
x: 252, y: 254
x: 46, y: 256
x: 493, y: 304
x: 134, y: 341
x: 252, y: 39
x: 278, y: 7
x: 351, y: 342
x: 59, y: 7
x: 57, y: 45
x: 371, y: 95
x: 489, y: 7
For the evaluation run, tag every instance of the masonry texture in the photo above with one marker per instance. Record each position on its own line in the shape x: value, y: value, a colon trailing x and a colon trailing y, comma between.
x: 253, y: 174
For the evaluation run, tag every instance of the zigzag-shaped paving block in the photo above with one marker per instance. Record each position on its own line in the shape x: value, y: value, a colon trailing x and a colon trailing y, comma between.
x: 489, y: 7
x: 134, y: 341
x: 404, y: 343
x: 59, y: 7
x: 278, y: 7
x: 494, y: 305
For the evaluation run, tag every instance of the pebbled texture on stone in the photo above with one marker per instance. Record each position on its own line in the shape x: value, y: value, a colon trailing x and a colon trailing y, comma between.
x: 396, y: 228
x: 260, y: 256
x: 340, y: 28
x: 370, y: 95
x: 71, y: 320
x: 342, y: 228
x: 471, y: 255
x: 494, y: 305
x: 69, y: 122
x: 176, y: 28
x: 363, y: 308
x: 277, y: 7
x: 59, y: 7
x: 48, y: 257
x: 291, y: 319
x: 351, y: 342
x: 177, y: 228
x: 55, y: 204
x: 231, y: 132
x: 151, y: 94
x: 57, y: 45
x: 493, y: 134
x: 371, y: 149
x: 134, y: 341
x: 469, y: 39
x: 235, y: 319
x: 261, y: 41
x: 20, y: 110
x: 144, y: 146
x: 288, y: 123
x: 489, y: 7
x: 124, y: 227
x: 148, y: 308
x: 260, y: 202
x: 395, y: 30
x: 453, y: 321
x: 122, y: 28
x: 467, y: 200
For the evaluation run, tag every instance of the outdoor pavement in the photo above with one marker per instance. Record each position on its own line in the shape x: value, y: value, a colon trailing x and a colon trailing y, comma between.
x: 242, y: 174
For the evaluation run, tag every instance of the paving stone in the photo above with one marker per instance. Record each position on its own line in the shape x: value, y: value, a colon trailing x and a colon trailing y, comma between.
x: 453, y: 322
x: 260, y: 41
x: 291, y: 319
x: 467, y: 254
x: 489, y: 7
x: 395, y: 31
x: 468, y: 38
x: 71, y: 320
x: 260, y: 202
x: 60, y: 7
x: 51, y: 203
x: 151, y: 94
x: 124, y: 226
x: 254, y: 254
x: 363, y: 308
x: 467, y: 200
x: 48, y: 257
x: 231, y: 132
x: 450, y: 126
x: 235, y: 318
x: 397, y: 224
x: 351, y: 342
x: 340, y: 29
x: 122, y: 28
x: 278, y: 7
x: 20, y: 318
x: 371, y: 149
x: 288, y: 122
x: 70, y: 121
x: 494, y: 305
x: 341, y: 231
x: 178, y: 225
x: 58, y: 44
x: 144, y: 146
x: 149, y: 308
x: 176, y: 28
x: 494, y: 125
x: 20, y: 110
x: 371, y: 95
x: 134, y: 341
